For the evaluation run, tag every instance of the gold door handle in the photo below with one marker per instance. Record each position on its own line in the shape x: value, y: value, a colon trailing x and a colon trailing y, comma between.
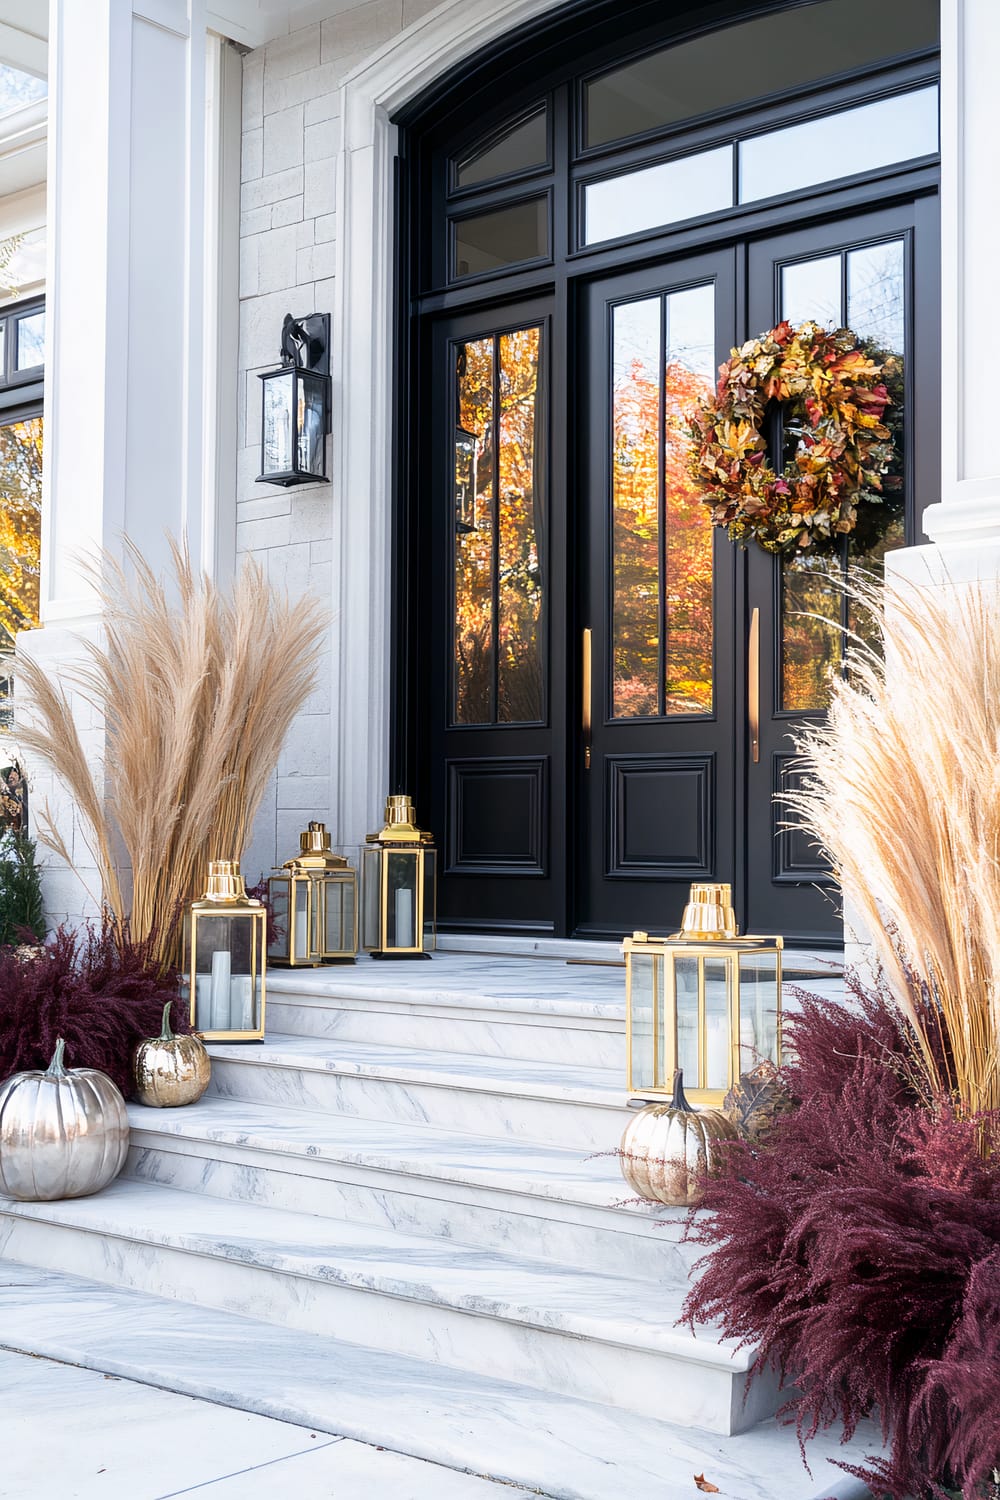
x: 585, y: 697
x: 753, y: 686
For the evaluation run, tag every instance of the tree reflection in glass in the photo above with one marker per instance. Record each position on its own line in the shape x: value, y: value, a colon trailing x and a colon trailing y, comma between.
x: 662, y: 361
x: 499, y: 574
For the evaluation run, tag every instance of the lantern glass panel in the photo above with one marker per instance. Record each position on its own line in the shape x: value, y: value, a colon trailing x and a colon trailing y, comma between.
x: 401, y: 905
x: 372, y: 881
x: 301, y: 924
x: 646, y: 979
x: 278, y: 895
x: 278, y: 413
x: 758, y: 1009
x: 717, y: 1040
x: 686, y: 991
x: 430, y: 898
x: 225, y: 973
x: 335, y: 916
x: 311, y: 424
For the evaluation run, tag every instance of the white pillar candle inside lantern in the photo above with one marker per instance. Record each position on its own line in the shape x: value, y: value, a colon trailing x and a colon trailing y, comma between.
x: 225, y: 948
x: 399, y: 886
x: 314, y: 902
x: 705, y: 1000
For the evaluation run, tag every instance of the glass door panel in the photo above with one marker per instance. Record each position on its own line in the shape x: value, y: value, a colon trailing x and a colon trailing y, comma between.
x: 864, y: 289
x: 500, y: 522
x: 663, y: 355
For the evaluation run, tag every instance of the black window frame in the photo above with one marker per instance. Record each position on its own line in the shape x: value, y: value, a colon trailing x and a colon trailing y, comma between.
x: 19, y: 388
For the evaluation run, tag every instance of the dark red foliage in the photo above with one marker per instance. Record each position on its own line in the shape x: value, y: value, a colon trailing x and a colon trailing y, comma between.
x: 858, y: 1246
x: 93, y: 986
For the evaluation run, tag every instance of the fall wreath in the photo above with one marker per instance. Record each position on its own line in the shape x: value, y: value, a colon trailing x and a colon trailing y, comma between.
x: 834, y: 390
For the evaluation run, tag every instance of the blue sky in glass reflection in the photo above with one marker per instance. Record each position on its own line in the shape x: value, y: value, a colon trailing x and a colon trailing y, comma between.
x: 18, y: 89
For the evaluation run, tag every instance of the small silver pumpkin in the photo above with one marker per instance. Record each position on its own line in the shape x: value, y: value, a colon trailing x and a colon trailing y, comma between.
x: 667, y: 1148
x: 170, y: 1070
x: 63, y: 1133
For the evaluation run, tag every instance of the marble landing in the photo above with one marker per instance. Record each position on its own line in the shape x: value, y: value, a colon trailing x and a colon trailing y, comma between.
x: 120, y: 1440
x: 547, y: 1445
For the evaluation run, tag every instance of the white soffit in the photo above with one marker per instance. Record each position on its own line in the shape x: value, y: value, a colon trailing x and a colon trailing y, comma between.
x: 252, y: 23
x: 24, y: 30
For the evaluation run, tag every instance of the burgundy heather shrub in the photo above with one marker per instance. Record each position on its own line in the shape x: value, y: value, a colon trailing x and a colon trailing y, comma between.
x: 858, y: 1246
x: 93, y: 986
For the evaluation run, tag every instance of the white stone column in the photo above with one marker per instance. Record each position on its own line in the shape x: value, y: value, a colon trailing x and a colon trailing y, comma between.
x: 134, y: 315
x: 964, y: 526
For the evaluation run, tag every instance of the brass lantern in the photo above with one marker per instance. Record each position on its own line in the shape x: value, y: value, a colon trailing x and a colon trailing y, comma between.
x: 315, y: 904
x: 226, y: 953
x: 399, y: 886
x: 705, y: 1000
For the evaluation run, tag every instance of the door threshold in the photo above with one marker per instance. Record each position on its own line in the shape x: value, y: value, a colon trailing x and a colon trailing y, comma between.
x: 799, y: 963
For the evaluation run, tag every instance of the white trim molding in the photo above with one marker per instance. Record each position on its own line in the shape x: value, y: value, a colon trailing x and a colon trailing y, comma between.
x: 362, y: 368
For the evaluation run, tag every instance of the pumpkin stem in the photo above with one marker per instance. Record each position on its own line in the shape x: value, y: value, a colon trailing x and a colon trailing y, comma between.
x: 679, y: 1101
x: 166, y: 1035
x: 55, y: 1068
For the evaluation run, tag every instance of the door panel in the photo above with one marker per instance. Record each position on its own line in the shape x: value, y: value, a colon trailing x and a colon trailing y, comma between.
x: 859, y: 273
x: 491, y: 711
x: 658, y: 787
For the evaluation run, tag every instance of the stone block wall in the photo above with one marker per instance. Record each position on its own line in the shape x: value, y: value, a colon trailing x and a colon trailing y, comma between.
x: 288, y: 243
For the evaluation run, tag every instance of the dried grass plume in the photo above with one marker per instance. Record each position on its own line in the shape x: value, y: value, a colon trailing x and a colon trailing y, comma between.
x: 197, y: 690
x: 902, y: 788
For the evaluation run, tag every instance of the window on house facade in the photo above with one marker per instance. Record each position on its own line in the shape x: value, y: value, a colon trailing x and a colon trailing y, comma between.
x: 22, y: 343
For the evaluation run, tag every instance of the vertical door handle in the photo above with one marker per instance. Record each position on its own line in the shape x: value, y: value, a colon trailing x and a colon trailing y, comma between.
x: 753, y: 686
x: 586, y: 692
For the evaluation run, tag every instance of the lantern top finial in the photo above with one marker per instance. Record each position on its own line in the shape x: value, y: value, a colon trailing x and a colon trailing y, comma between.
x: 226, y: 886
x: 400, y: 823
x: 315, y: 852
x: 709, y: 915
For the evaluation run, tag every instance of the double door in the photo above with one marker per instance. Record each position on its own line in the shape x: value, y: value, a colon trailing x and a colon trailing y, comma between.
x: 612, y: 688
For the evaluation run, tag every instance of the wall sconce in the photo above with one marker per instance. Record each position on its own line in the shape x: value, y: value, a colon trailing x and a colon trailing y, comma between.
x: 295, y: 416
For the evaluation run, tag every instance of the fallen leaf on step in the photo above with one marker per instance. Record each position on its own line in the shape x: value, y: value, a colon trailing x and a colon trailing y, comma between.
x: 701, y: 1483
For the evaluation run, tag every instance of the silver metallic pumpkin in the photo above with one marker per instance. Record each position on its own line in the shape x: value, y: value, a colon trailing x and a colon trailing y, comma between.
x: 170, y: 1070
x: 63, y: 1133
x: 666, y: 1148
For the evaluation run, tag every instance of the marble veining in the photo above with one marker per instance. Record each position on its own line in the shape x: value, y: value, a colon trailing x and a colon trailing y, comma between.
x: 538, y: 1293
x: 567, y: 1449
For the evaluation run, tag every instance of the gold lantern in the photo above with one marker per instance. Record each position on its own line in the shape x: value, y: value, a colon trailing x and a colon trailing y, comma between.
x: 315, y: 904
x: 399, y: 886
x: 226, y: 953
x: 705, y: 1000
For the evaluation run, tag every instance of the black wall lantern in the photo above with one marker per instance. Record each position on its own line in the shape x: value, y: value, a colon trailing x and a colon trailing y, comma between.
x: 296, y: 405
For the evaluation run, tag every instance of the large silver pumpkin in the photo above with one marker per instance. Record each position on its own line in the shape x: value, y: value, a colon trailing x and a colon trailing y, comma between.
x: 63, y: 1133
x: 170, y: 1070
x: 667, y: 1148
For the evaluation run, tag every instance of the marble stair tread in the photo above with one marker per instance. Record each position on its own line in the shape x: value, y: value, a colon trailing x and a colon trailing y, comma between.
x: 558, y: 1446
x: 508, y: 1164
x: 452, y: 1070
x: 559, y: 988
x: 637, y: 1314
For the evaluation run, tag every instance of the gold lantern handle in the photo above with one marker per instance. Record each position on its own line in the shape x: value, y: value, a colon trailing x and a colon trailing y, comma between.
x: 586, y: 696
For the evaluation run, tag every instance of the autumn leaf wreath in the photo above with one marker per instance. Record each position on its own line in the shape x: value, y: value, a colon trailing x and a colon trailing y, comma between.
x: 834, y: 391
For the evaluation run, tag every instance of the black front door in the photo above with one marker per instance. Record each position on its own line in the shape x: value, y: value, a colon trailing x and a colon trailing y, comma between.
x: 698, y: 660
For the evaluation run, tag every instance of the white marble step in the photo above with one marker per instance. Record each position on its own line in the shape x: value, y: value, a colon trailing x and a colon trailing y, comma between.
x: 509, y: 1194
x: 553, y: 1445
x: 567, y: 1105
x: 494, y: 1006
x: 599, y: 1337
